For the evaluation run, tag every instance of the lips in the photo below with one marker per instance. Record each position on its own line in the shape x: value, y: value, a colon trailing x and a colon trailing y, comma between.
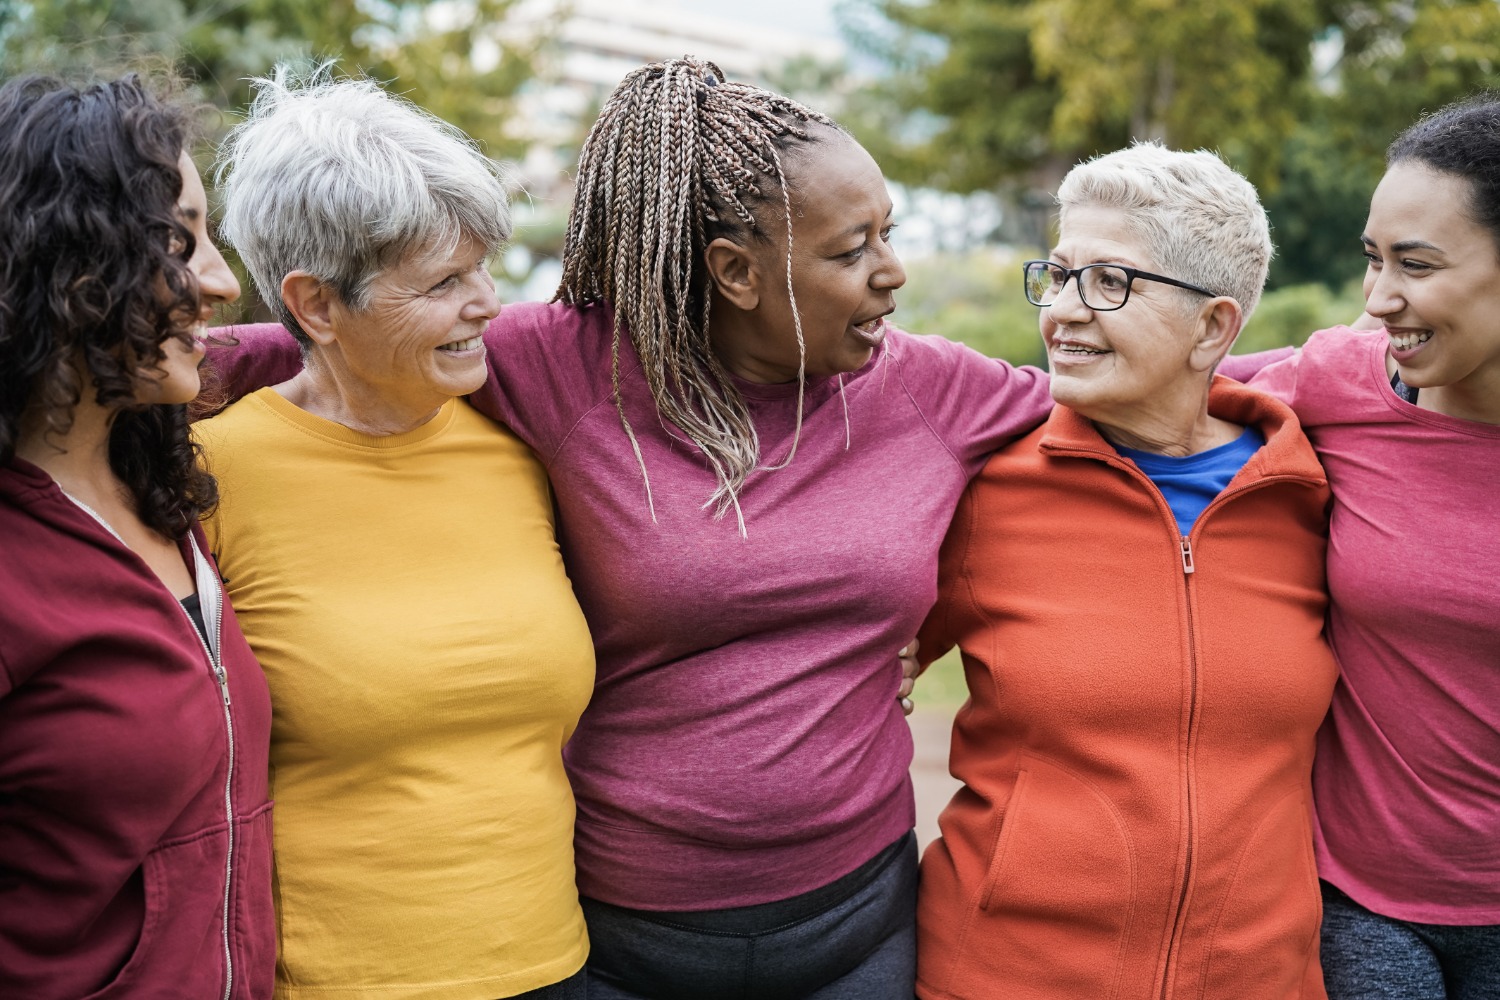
x: 872, y: 331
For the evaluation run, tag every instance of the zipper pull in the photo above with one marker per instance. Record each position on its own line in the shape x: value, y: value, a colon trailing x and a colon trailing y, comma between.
x: 223, y: 684
x: 1187, y: 556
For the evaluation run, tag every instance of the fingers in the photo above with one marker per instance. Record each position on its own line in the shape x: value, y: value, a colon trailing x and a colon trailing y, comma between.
x: 909, y: 671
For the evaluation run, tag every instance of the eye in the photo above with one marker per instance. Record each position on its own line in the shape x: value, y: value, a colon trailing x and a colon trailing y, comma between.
x: 444, y: 285
x: 1111, y: 279
x: 885, y: 234
x: 1372, y: 257
x: 1416, y: 266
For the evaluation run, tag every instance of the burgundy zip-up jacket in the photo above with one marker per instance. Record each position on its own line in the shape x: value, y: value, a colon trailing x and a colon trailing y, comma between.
x: 135, y: 832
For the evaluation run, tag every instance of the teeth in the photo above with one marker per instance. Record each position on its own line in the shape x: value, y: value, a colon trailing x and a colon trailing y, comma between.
x: 1407, y: 341
x: 870, y: 325
x: 1080, y: 349
x: 463, y: 345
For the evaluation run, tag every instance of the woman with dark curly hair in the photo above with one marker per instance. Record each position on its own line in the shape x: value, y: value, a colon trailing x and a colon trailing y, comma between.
x: 134, y: 721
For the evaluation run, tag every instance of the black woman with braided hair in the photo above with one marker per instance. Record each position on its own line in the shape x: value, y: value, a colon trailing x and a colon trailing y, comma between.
x: 754, y: 471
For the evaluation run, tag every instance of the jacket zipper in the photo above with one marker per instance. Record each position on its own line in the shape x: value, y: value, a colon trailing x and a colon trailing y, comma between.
x: 207, y: 582
x: 1187, y: 864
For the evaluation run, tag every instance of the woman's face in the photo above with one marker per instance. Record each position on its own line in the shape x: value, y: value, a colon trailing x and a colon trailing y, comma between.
x: 1107, y: 365
x: 1433, y: 279
x: 419, y: 341
x: 175, y: 379
x: 843, y: 269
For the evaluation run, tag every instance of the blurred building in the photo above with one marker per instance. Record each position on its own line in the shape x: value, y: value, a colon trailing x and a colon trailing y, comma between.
x: 585, y: 47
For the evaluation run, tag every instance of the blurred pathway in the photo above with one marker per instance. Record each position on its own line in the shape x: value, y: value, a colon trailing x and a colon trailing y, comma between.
x: 931, y: 726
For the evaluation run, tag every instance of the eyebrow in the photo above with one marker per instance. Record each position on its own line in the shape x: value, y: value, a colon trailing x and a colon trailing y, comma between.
x: 859, y: 227
x: 1402, y: 246
x: 188, y: 212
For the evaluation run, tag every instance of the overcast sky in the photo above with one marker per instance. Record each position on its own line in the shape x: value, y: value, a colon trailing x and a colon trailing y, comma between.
x: 813, y: 17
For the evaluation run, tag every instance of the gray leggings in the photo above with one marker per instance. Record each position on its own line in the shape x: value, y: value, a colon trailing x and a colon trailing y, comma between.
x: 1370, y: 957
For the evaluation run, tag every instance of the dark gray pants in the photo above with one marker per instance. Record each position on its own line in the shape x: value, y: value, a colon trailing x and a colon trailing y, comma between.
x: 852, y: 940
x: 1370, y: 957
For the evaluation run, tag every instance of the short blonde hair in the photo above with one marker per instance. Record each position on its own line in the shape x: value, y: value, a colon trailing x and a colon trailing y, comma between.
x: 1200, y: 220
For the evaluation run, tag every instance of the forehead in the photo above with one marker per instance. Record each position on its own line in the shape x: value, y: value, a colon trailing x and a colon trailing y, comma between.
x: 1415, y: 202
x: 835, y: 183
x: 1093, y: 234
x: 193, y: 196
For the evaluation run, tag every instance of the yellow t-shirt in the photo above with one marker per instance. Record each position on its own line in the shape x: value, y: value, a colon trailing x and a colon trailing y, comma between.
x: 427, y: 661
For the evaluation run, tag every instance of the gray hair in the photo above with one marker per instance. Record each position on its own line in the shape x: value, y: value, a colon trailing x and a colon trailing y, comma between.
x: 342, y: 180
x: 1200, y: 221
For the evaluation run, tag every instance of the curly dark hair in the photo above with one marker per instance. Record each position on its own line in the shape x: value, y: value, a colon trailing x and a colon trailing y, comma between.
x: 1463, y: 140
x: 94, y: 277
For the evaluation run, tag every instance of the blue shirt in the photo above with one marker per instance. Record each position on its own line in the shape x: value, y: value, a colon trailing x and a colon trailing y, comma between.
x: 1191, y: 482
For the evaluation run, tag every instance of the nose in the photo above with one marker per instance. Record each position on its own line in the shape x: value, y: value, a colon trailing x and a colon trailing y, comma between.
x: 484, y: 305
x: 891, y: 274
x: 217, y: 284
x: 1069, y: 304
x: 1382, y: 292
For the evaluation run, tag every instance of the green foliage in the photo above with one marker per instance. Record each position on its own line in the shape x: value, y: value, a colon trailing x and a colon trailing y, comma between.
x: 1286, y: 316
x: 975, y: 298
x: 423, y: 50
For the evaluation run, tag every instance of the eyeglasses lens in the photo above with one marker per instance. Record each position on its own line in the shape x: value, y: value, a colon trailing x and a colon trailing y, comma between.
x: 1102, y: 286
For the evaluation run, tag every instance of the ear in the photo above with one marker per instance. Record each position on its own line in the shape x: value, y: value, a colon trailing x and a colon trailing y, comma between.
x: 1218, y: 325
x: 312, y: 302
x: 733, y: 270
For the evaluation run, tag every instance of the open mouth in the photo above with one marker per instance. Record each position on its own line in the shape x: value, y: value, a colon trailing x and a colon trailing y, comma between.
x: 464, y: 345
x: 871, y: 331
x: 1407, y: 341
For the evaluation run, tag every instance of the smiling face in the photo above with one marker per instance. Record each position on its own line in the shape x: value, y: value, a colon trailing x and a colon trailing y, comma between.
x: 419, y: 341
x: 1113, y: 366
x: 175, y: 379
x: 1434, y: 280
x: 843, y: 270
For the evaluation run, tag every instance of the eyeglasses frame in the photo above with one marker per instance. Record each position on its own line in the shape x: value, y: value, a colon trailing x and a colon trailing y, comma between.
x: 1075, y: 274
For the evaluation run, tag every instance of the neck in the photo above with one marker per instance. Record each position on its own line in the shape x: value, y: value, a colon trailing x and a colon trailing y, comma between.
x: 1166, y: 425
x: 735, y: 338
x: 327, y: 388
x: 1466, y: 400
x: 79, y: 459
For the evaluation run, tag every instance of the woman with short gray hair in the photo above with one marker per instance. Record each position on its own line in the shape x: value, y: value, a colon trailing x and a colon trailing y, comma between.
x: 424, y: 675
x: 1139, y: 593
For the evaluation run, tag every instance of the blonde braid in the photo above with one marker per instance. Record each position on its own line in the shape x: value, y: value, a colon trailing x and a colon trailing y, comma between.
x: 676, y: 159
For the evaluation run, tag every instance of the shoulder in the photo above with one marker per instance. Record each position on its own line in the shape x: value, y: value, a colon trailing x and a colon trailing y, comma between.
x: 238, y: 423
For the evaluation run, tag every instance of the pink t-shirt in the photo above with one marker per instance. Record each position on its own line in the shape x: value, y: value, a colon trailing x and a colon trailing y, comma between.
x: 1407, y: 776
x: 744, y: 743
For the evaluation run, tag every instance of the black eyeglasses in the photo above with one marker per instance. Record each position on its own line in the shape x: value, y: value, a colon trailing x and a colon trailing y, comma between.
x: 1102, y: 287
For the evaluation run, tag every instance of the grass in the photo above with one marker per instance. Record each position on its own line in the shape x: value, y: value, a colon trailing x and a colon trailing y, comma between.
x: 943, y: 683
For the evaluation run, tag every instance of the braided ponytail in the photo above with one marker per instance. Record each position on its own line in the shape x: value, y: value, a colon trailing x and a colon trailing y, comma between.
x: 680, y: 157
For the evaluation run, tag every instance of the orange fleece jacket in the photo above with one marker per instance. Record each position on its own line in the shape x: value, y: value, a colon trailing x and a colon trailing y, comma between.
x: 1137, y: 747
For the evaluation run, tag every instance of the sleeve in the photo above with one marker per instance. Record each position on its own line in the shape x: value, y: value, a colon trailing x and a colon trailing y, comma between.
x: 1279, y: 379
x: 974, y: 404
x: 1243, y: 367
x: 939, y: 633
x: 255, y: 356
x: 548, y: 365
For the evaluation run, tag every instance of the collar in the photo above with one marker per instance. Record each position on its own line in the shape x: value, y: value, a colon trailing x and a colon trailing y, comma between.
x: 1287, y: 452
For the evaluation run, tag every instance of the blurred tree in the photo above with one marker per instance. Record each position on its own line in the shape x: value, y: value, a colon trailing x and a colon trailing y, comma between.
x: 1303, y: 97
x: 445, y: 55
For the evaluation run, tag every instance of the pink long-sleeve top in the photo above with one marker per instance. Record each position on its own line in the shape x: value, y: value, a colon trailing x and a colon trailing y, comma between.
x: 1407, y: 775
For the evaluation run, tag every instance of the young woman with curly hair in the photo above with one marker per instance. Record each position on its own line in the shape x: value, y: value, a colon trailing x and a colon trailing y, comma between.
x: 134, y: 824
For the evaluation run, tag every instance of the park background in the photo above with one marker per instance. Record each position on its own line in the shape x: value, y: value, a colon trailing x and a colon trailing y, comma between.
x: 974, y: 108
